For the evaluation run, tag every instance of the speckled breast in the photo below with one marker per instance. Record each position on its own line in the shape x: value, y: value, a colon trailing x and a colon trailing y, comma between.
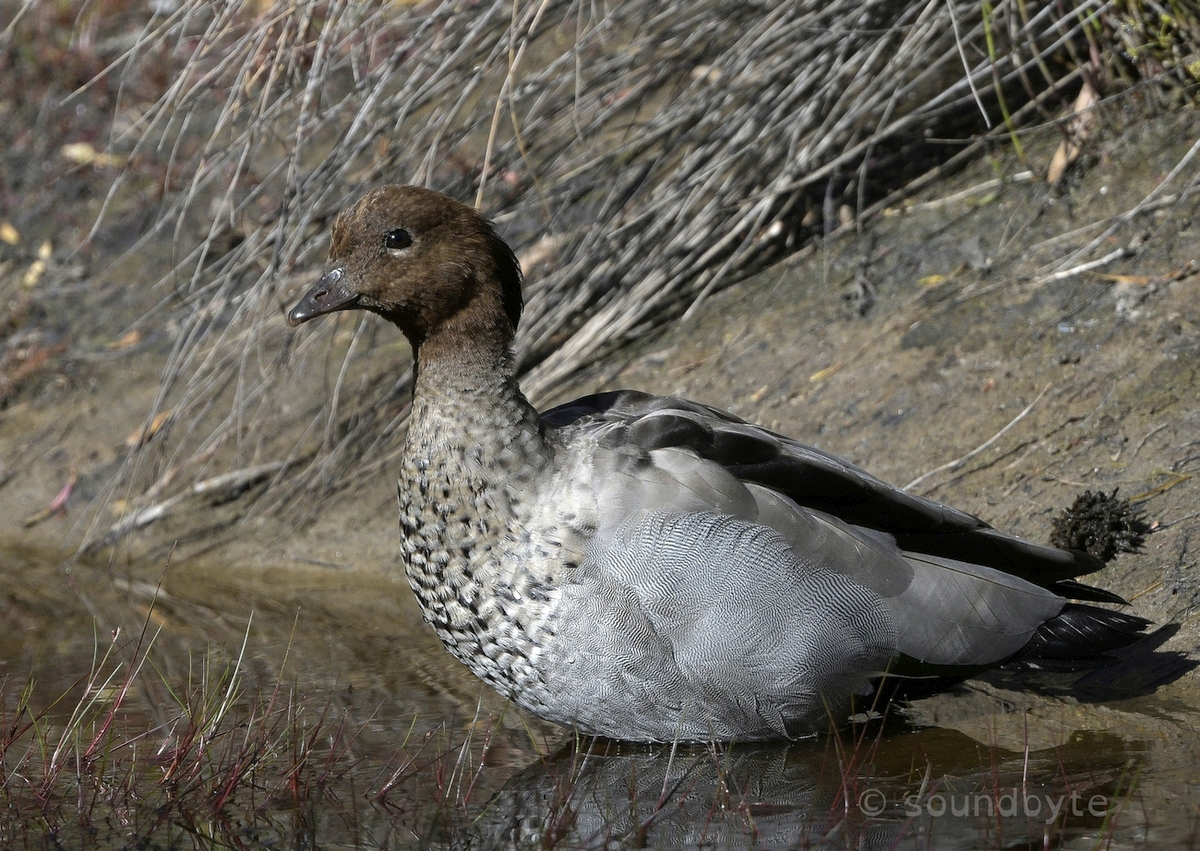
x: 487, y: 590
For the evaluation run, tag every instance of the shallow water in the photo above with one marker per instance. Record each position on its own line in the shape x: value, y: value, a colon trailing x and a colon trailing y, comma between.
x: 309, y: 707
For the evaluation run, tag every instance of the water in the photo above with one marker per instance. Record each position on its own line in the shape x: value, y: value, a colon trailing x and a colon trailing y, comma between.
x: 211, y: 706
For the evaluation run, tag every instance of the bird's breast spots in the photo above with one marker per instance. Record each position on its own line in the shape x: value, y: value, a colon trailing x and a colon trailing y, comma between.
x: 508, y: 593
x: 410, y: 523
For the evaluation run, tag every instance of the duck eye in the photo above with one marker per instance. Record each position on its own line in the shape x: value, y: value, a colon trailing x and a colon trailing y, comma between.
x: 397, y: 239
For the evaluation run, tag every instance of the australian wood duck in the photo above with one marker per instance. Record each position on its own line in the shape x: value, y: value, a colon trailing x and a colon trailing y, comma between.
x: 646, y: 567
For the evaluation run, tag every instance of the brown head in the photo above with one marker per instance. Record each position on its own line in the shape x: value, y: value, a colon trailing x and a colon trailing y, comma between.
x: 421, y: 260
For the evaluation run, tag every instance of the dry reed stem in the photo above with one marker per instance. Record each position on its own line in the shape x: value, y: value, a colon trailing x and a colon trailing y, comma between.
x: 670, y: 149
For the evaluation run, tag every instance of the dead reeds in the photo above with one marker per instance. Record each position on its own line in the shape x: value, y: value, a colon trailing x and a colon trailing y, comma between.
x: 640, y: 156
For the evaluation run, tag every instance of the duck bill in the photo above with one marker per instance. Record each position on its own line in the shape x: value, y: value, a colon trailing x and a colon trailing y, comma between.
x: 330, y: 294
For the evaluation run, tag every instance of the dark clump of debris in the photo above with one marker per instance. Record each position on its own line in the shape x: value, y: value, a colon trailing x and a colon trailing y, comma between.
x: 1101, y: 524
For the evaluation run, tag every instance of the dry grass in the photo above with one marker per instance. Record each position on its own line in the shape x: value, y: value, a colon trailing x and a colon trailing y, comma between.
x: 134, y: 756
x: 639, y: 156
x: 93, y: 768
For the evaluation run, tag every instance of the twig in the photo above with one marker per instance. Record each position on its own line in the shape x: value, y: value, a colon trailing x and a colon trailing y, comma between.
x: 1149, y: 435
x: 962, y: 54
x: 1167, y: 524
x: 1125, y: 251
x: 57, y: 505
x: 958, y: 462
x: 1146, y: 204
x: 970, y: 191
x: 1175, y: 479
x: 225, y: 482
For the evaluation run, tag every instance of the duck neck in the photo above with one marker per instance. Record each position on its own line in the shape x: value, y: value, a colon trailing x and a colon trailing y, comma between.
x: 468, y: 405
x: 474, y: 453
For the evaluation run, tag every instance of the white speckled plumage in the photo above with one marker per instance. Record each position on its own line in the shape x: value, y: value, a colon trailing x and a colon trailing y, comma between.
x: 649, y: 568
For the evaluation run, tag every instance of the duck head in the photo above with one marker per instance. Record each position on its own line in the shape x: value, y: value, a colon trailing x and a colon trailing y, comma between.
x: 422, y: 261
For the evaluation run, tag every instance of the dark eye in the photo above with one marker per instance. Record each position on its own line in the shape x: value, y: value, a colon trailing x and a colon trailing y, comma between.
x: 397, y: 239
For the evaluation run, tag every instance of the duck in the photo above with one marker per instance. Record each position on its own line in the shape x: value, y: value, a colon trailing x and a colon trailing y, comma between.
x: 649, y: 568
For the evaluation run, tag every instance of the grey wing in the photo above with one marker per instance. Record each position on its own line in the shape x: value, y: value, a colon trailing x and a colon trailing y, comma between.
x: 953, y: 616
x: 761, y: 644
x: 753, y: 637
x: 950, y: 613
x: 817, y: 480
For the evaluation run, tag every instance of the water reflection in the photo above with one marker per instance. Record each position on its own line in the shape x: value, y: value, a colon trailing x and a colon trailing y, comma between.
x: 301, y: 707
x: 934, y: 788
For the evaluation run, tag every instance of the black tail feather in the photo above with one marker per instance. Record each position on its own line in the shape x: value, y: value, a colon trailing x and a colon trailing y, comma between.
x: 1082, y: 633
x: 1139, y: 669
x: 1073, y: 590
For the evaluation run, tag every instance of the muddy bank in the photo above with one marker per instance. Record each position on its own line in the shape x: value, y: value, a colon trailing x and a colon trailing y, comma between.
x: 903, y: 348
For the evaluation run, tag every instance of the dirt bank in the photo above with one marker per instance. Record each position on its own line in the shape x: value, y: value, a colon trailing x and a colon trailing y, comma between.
x: 903, y: 348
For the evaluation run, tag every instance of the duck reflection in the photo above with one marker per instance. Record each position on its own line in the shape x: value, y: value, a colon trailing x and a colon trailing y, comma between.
x: 932, y: 788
